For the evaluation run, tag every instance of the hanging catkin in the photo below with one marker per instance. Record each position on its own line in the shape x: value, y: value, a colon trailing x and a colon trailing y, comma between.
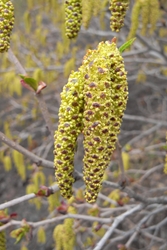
x: 118, y: 10
x: 93, y: 102
x: 70, y: 126
x: 105, y: 94
x: 73, y: 17
x: 6, y: 24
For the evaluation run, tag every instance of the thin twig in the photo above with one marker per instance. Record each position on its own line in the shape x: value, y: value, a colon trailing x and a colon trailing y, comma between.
x: 38, y: 160
x: 53, y: 220
x: 143, y: 119
x: 117, y: 221
x: 26, y: 197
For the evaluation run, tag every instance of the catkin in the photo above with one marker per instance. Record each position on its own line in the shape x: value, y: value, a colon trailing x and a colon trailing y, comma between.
x: 73, y: 17
x: 105, y: 95
x: 135, y: 19
x: 154, y: 14
x: 118, y: 10
x: 149, y: 11
x: 2, y: 239
x: 70, y: 126
x: 6, y: 24
x: 93, y: 102
x: 87, y: 12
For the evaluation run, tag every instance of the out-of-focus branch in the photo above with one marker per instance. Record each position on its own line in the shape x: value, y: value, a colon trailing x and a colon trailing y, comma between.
x: 143, y: 119
x: 43, y: 107
x: 36, y: 159
x: 24, y: 198
x: 53, y: 220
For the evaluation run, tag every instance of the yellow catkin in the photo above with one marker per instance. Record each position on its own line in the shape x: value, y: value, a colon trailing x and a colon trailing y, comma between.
x: 98, y: 231
x: 18, y: 159
x: 73, y: 17
x: 145, y: 11
x: 97, y: 7
x: 27, y: 21
x: 69, y: 66
x: 38, y: 74
x: 41, y: 236
x: 126, y: 160
x: 7, y: 130
x: 70, y: 126
x: 149, y: 10
x: 53, y: 201
x: 69, y: 237
x: 58, y: 234
x: 31, y: 188
x: 6, y: 24
x: 154, y: 15
x: 114, y: 195
x: 93, y: 102
x: 38, y: 179
x: 134, y: 19
x: 30, y: 4
x: 23, y: 248
x: 118, y: 10
x: 106, y: 94
x: 165, y: 165
x: 63, y: 234
x: 7, y: 163
x: 2, y: 239
x: 87, y: 11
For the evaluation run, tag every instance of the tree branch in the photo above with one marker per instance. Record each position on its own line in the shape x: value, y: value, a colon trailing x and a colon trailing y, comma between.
x: 36, y: 159
x: 26, y: 197
x: 117, y: 221
x: 53, y: 220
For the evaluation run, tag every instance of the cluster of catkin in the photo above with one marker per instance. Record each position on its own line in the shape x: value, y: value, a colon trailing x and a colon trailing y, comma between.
x: 6, y: 24
x: 149, y: 11
x: 79, y: 12
x: 92, y: 102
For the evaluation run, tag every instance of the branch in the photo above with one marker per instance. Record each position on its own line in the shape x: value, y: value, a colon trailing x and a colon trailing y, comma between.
x: 143, y: 119
x: 36, y: 159
x: 43, y: 107
x: 117, y: 221
x: 26, y: 197
x: 53, y: 220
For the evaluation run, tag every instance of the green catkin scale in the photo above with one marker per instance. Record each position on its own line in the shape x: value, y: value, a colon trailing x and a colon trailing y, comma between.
x: 70, y: 126
x: 105, y: 94
x: 6, y: 24
x: 73, y: 17
x: 118, y: 10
